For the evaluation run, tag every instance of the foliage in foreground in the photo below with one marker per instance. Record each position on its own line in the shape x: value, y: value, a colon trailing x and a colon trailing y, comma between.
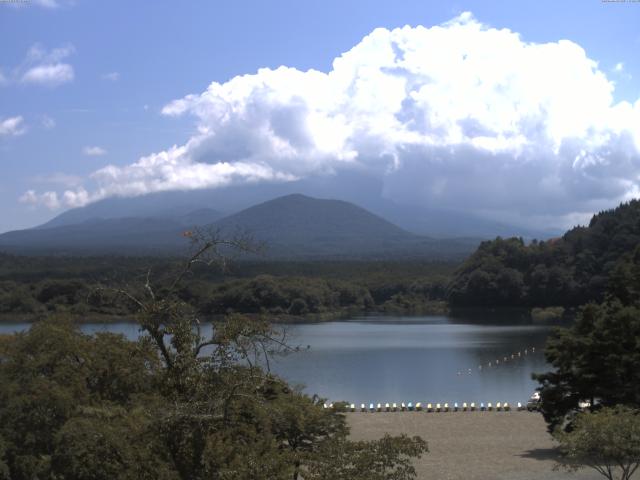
x: 596, y: 360
x: 607, y: 441
x: 175, y: 404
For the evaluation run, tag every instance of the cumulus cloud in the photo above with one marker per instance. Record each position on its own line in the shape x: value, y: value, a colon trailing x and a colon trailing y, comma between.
x: 46, y: 68
x: 459, y: 115
x: 12, y: 126
x: 94, y: 151
x: 48, y: 199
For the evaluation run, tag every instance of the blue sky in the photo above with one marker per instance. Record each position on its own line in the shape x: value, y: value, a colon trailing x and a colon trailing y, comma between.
x: 84, y: 83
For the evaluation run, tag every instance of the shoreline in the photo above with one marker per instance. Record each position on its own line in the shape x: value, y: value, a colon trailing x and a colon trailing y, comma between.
x: 521, y: 314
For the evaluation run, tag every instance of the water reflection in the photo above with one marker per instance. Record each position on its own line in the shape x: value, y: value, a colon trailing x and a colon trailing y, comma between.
x: 428, y: 359
x: 394, y: 359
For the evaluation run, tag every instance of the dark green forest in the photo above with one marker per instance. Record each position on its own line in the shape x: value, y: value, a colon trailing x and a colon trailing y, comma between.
x: 584, y: 265
x: 32, y: 287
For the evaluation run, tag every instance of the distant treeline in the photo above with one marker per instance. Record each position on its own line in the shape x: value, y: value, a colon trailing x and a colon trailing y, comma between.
x: 35, y: 286
x: 585, y: 265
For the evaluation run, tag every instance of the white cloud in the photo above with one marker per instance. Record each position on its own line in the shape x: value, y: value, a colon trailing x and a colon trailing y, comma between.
x: 459, y: 115
x: 46, y: 68
x: 94, y: 151
x: 12, y: 126
x: 620, y: 71
x: 48, y: 199
x: 111, y: 76
x: 49, y: 75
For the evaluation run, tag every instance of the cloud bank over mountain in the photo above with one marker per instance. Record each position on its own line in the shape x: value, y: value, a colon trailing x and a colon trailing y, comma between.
x: 459, y: 115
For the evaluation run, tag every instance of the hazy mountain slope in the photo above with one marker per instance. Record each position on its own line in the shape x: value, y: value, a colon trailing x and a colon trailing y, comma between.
x: 121, y: 235
x: 293, y: 226
x: 297, y: 225
x: 427, y: 220
x: 132, y: 235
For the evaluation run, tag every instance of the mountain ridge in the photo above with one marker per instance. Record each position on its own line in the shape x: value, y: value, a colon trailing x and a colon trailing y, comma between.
x: 293, y: 226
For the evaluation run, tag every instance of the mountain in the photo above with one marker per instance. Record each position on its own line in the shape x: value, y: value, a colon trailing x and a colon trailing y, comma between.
x: 293, y: 226
x: 297, y: 225
x: 429, y: 220
x: 130, y: 235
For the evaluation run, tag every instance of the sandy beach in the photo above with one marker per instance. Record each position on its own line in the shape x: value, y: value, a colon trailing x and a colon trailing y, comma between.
x: 473, y: 445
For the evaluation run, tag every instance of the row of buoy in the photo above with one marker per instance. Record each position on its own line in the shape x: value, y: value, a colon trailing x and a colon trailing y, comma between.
x: 429, y: 407
x: 505, y: 359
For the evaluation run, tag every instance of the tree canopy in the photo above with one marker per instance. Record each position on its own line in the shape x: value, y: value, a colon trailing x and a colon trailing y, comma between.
x: 174, y: 404
x: 596, y: 360
x: 581, y: 267
x: 607, y: 441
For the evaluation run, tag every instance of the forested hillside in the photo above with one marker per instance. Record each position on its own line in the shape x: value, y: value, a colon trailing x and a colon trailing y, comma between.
x: 583, y: 266
x: 32, y: 287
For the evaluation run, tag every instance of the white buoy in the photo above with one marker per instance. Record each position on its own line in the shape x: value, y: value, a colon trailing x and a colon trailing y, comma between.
x: 353, y: 407
x: 403, y: 406
x: 324, y: 406
x: 498, y: 406
x: 379, y: 407
x: 464, y: 406
x: 489, y: 406
x: 482, y: 406
x: 363, y: 407
x: 437, y: 407
x: 472, y: 406
x: 395, y: 407
x: 419, y: 406
x: 371, y: 408
x: 506, y: 407
x: 455, y: 407
x: 331, y: 405
x: 446, y: 407
x: 410, y: 406
x: 429, y: 407
x: 386, y: 407
x: 520, y: 407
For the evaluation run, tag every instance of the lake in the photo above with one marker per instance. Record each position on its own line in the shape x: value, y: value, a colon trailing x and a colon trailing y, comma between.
x: 404, y: 359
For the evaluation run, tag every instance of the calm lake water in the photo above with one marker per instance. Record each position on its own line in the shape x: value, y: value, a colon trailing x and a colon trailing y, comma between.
x: 404, y: 359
